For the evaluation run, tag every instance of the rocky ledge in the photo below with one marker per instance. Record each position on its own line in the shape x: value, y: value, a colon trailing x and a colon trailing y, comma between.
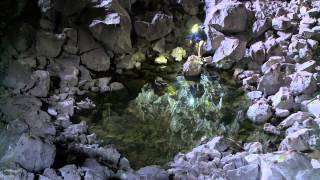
x: 271, y: 46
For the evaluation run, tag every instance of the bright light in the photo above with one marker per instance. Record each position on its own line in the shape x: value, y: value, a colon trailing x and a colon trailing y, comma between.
x: 195, y: 29
x: 191, y: 101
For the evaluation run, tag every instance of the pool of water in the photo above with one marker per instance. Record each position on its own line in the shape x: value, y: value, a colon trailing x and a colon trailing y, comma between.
x: 150, y: 123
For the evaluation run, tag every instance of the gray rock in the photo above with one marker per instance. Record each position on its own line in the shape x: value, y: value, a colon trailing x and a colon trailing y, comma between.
x: 50, y: 174
x: 48, y: 44
x: 116, y: 23
x: 310, y: 174
x: 269, y: 128
x: 301, y: 140
x: 296, y: 117
x: 94, y: 170
x: 312, y: 106
x: 308, y: 66
x: 282, y: 113
x: 281, y: 23
x: 253, y: 148
x: 31, y: 153
x: 96, y: 60
x: 153, y: 172
x: 260, y: 26
x: 19, y: 174
x: 73, y: 131
x: 190, y: 6
x: 259, y: 112
x: 257, y: 52
x: 42, y: 83
x: 271, y: 81
x: 70, y: 172
x: 271, y: 61
x: 229, y: 17
x: 116, y: 86
x: 249, y: 172
x: 230, y: 51
x: 254, y: 95
x: 86, y: 42
x: 103, y: 84
x: 283, y: 99
x: 214, y: 39
x: 154, y: 27
x: 302, y: 82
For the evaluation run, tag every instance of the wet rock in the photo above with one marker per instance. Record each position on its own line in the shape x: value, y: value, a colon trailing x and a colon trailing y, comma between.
x: 154, y: 27
x: 302, y: 83
x: 230, y: 17
x: 116, y: 23
x: 283, y: 99
x: 230, y: 51
x: 259, y: 112
x: 271, y: 81
x: 301, y: 140
x: 42, y: 83
x: 31, y: 153
x: 153, y: 172
x: 192, y: 67
x: 70, y: 172
x: 295, y: 117
x: 48, y: 44
x: 96, y: 60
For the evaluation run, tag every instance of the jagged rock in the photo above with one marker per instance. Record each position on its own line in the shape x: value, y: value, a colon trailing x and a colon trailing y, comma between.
x: 310, y: 174
x: 73, y: 131
x: 50, y: 174
x: 257, y: 52
x: 282, y: 113
x: 302, y: 83
x: 271, y: 81
x: 96, y: 60
x: 19, y: 174
x: 94, y: 170
x: 214, y: 39
x: 296, y: 117
x: 31, y: 153
x: 308, y: 66
x: 48, y: 44
x: 116, y: 23
x: 153, y: 172
x: 301, y: 140
x: 42, y: 83
x: 86, y: 42
x: 154, y: 27
x: 281, y: 23
x: 269, y: 128
x: 283, y: 165
x: 230, y: 51
x: 260, y: 26
x: 253, y: 148
x: 312, y: 106
x: 250, y: 172
x: 271, y: 61
x: 283, y: 99
x: 230, y: 17
x: 192, y: 67
x: 259, y: 112
x: 70, y: 172
x: 254, y: 95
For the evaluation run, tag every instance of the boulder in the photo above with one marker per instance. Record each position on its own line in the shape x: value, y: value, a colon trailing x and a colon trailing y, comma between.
x: 301, y: 140
x: 271, y: 81
x: 96, y: 60
x: 153, y: 172
x: 258, y: 52
x: 312, y: 106
x: 103, y: 84
x: 94, y: 170
x: 31, y: 153
x: 302, y: 82
x: 250, y: 172
x: 18, y: 174
x: 271, y: 61
x: 214, y: 39
x: 295, y: 117
x: 42, y: 83
x: 229, y: 17
x: 283, y: 99
x: 116, y: 23
x: 154, y: 26
x: 259, y: 112
x: 192, y: 67
x: 260, y: 26
x: 48, y: 44
x: 310, y: 174
x: 70, y: 172
x: 230, y: 51
x: 281, y: 23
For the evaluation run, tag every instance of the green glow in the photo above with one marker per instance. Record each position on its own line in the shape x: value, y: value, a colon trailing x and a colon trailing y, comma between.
x: 195, y: 28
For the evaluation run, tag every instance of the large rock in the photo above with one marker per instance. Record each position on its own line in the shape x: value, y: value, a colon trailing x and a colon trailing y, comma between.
x: 230, y: 17
x: 31, y: 153
x: 230, y: 51
x: 303, y: 82
x: 114, y: 29
x: 42, y: 83
x: 153, y: 172
x: 214, y: 39
x: 259, y: 112
x: 312, y: 106
x: 19, y: 174
x: 293, y: 118
x: 271, y: 81
x: 154, y: 26
x: 48, y: 44
x: 301, y: 140
x: 283, y: 99
x: 96, y: 60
